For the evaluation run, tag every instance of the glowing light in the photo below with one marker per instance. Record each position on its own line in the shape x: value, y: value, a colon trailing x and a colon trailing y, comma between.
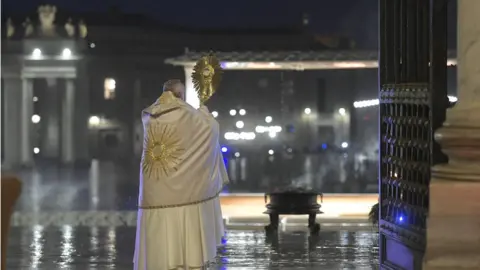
x: 307, y: 111
x: 66, y: 53
x: 94, y: 120
x: 237, y: 154
x: 37, y: 53
x: 239, y: 124
x: 400, y: 218
x: 344, y: 144
x: 349, y: 65
x: 215, y: 114
x: 224, y: 149
x: 92, y: 45
x: 271, y: 152
x: 452, y: 99
x: 264, y: 129
x: 374, y: 102
x: 272, y: 134
x: 268, y: 119
x: 233, y: 112
x: 36, y: 118
x: 35, y: 99
x: 342, y: 111
x: 109, y: 86
x: 242, y: 112
x: 235, y: 136
x: 36, y: 150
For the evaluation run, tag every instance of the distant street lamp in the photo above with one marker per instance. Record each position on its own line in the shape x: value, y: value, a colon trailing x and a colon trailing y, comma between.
x: 307, y: 111
x: 239, y: 124
x: 36, y: 118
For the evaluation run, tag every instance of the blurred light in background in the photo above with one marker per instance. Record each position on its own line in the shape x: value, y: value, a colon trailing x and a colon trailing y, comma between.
x: 94, y: 120
x: 344, y: 144
x: 375, y: 102
x: 215, y: 114
x: 307, y: 111
x: 36, y: 118
x: 37, y: 53
x: 271, y: 152
x: 109, y: 87
x: 264, y: 129
x: 242, y: 112
x: 66, y: 53
x: 233, y: 112
x: 224, y: 149
x: 235, y: 136
x: 342, y: 111
x: 36, y: 150
x: 268, y: 119
x: 237, y: 154
x: 239, y: 124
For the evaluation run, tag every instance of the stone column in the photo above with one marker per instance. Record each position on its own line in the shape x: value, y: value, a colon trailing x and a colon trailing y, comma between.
x: 51, y: 125
x: 11, y: 109
x: 453, y: 226
x: 82, y: 113
x: 26, y: 149
x: 68, y: 110
x: 190, y: 93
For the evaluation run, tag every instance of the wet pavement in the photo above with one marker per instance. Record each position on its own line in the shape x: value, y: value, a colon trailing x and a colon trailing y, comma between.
x: 85, y: 219
x: 102, y: 248
x: 114, y: 186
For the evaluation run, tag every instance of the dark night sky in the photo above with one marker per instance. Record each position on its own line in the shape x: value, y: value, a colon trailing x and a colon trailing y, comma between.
x: 325, y: 14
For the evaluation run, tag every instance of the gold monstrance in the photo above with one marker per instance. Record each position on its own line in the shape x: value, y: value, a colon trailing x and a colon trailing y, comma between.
x: 206, y: 76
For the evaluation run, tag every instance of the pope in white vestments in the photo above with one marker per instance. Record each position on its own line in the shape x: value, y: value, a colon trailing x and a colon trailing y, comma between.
x: 179, y: 223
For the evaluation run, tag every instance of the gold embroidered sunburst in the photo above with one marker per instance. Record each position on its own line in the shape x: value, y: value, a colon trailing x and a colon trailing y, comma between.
x: 163, y: 152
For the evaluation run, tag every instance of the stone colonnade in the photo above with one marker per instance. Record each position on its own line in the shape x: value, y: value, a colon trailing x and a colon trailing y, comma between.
x: 453, y: 229
x: 58, y: 135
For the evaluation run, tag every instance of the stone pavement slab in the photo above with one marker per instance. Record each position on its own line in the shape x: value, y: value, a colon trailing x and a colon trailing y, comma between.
x: 103, y: 248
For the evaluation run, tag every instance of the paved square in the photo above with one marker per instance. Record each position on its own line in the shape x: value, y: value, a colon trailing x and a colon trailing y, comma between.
x: 102, y: 248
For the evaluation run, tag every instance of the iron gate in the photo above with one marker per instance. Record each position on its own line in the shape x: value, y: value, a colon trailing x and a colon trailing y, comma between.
x: 413, y: 100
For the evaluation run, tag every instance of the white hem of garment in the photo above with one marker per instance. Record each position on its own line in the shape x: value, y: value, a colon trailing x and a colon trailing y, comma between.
x: 184, y: 237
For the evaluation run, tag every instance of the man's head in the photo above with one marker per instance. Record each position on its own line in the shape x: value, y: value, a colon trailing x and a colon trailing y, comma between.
x: 176, y: 87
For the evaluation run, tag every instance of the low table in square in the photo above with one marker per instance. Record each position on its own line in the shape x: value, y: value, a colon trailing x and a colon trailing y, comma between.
x: 293, y: 203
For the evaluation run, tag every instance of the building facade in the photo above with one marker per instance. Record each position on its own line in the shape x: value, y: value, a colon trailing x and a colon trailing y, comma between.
x: 121, y: 68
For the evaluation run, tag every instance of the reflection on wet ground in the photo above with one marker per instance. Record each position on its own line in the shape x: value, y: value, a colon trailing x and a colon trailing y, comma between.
x: 110, y: 186
x: 56, y: 196
x: 101, y: 248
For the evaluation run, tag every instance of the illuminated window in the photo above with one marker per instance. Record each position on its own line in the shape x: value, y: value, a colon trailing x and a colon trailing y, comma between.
x: 109, y: 88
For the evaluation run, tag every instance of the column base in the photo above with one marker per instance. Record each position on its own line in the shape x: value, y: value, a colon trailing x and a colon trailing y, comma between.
x: 453, y: 228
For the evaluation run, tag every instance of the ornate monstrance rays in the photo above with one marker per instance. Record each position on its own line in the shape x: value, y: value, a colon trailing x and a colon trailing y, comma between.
x: 206, y: 76
x: 163, y: 152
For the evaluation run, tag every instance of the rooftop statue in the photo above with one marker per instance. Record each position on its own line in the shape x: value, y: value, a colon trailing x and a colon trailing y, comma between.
x: 10, y: 28
x: 70, y: 28
x: 46, y: 15
x: 82, y: 27
x: 27, y: 24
